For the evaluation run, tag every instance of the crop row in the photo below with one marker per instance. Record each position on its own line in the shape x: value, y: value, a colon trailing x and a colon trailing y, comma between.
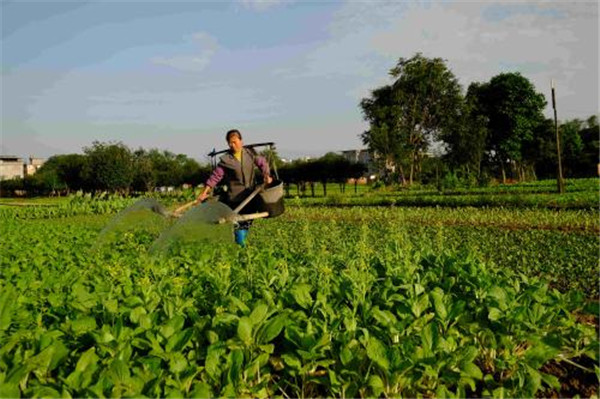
x: 578, y: 200
x: 74, y: 206
x: 585, y: 221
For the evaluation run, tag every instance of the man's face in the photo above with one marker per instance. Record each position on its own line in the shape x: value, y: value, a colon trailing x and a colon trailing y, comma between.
x: 235, y: 143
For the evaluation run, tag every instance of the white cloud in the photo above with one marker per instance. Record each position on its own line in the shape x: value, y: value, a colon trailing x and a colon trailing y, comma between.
x: 541, y: 40
x: 260, y: 5
x: 205, y: 48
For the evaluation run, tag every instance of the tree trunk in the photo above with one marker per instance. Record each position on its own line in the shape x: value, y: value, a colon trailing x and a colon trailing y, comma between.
x: 503, y: 173
x: 418, y: 165
x: 522, y: 172
x: 402, y: 176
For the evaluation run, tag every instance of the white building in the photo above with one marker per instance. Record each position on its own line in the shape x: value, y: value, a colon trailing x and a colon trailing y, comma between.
x: 12, y: 166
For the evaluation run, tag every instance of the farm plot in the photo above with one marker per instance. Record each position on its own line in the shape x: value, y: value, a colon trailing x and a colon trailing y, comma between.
x: 558, y: 246
x: 323, y: 302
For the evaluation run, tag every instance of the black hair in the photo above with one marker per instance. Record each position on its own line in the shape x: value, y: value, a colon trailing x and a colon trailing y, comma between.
x: 231, y: 133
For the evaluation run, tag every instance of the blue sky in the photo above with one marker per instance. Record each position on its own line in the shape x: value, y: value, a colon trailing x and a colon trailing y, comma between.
x: 178, y: 75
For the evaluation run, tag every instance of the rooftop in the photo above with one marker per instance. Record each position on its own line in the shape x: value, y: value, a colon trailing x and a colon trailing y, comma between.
x: 10, y: 158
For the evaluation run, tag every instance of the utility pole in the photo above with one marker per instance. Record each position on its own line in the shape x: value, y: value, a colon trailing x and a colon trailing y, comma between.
x: 560, y: 181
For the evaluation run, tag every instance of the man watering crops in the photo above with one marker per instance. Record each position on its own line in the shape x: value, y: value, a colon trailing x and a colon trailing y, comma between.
x: 237, y: 168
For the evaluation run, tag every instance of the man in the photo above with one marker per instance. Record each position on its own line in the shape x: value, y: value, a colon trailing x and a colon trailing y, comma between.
x: 237, y: 168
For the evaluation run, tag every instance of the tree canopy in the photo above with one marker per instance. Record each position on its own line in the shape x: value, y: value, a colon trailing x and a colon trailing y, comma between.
x: 110, y: 166
x: 497, y: 128
x: 407, y: 116
x: 513, y: 110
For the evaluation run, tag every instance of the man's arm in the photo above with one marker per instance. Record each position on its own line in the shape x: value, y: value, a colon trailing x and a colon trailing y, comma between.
x: 263, y: 165
x: 211, y: 183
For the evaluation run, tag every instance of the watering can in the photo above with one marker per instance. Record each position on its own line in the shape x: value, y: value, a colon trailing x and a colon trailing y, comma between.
x: 270, y: 205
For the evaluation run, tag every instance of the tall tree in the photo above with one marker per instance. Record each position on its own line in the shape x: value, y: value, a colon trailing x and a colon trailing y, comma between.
x: 48, y: 181
x: 110, y: 166
x: 579, y: 145
x: 68, y: 169
x: 466, y: 141
x: 191, y: 171
x: 384, y: 138
x: 421, y: 103
x: 514, y: 110
x: 540, y: 150
x: 429, y: 99
x: 143, y: 177
x: 571, y: 146
x: 335, y: 167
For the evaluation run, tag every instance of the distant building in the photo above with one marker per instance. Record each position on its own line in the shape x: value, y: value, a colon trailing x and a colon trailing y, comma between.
x: 34, y: 165
x: 12, y: 166
x: 362, y: 156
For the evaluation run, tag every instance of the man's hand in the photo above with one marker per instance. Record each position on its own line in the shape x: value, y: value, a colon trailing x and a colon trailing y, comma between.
x: 201, y: 198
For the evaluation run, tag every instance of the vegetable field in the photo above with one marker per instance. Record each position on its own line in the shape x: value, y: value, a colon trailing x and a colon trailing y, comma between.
x: 326, y: 301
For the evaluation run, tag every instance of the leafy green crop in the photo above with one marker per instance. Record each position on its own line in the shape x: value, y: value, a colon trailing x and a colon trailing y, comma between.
x: 322, y: 302
x: 75, y: 206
